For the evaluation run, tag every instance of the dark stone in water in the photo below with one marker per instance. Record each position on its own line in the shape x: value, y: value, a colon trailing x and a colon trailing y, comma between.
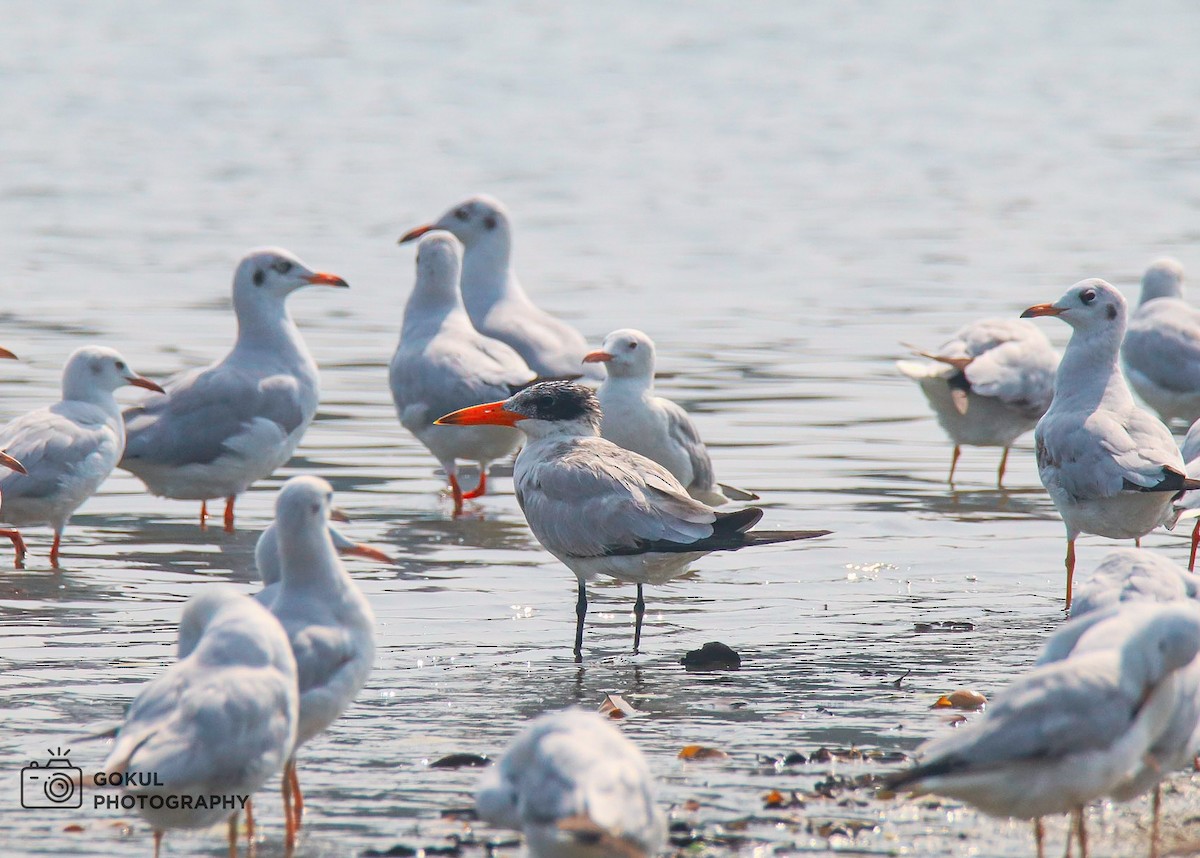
x: 461, y: 761
x: 714, y: 655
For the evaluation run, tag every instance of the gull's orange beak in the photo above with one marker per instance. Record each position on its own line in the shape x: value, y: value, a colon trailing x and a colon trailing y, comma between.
x: 1042, y: 310
x: 141, y: 381
x: 338, y: 514
x: 6, y: 354
x: 415, y: 232
x: 323, y: 279
x: 491, y: 414
x: 597, y: 357
x: 11, y: 463
x: 360, y: 550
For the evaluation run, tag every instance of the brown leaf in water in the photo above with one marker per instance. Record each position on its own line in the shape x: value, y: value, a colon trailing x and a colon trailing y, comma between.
x: 963, y: 698
x: 616, y: 707
x: 702, y: 752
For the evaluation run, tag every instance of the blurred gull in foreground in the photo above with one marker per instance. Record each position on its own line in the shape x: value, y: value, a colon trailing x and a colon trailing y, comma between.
x: 1162, y: 346
x: 988, y: 385
x: 576, y: 788
x: 654, y: 427
x: 1111, y: 467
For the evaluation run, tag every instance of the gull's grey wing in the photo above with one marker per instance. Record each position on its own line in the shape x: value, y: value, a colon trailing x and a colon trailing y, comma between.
x: 1163, y: 344
x: 683, y: 432
x: 54, y: 449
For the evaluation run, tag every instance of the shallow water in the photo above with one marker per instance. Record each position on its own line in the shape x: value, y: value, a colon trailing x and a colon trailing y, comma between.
x: 778, y: 194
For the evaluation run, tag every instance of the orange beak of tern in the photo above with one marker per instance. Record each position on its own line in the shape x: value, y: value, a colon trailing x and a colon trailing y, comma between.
x: 1042, y: 310
x: 141, y: 381
x: 323, y: 279
x: 415, y: 232
x: 11, y: 463
x: 360, y: 550
x: 6, y: 354
x: 597, y: 357
x: 491, y: 414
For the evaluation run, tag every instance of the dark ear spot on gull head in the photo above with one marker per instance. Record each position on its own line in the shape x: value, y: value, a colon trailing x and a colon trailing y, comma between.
x: 1111, y: 311
x: 490, y: 221
x: 259, y: 277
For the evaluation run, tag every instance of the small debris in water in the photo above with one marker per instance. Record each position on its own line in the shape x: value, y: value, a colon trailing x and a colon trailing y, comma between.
x: 714, y: 655
x: 775, y: 800
x: 460, y: 761
x: 702, y: 752
x: 945, y: 626
x: 963, y: 698
x: 616, y: 707
x: 901, y: 678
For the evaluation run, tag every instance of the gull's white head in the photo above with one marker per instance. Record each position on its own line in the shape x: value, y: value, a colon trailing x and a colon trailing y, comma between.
x: 1160, y: 638
x: 474, y: 220
x: 627, y: 353
x: 269, y: 274
x: 304, y: 502
x: 1163, y: 279
x: 200, y: 612
x: 1089, y: 305
x: 94, y: 372
x: 540, y: 410
x: 438, y: 263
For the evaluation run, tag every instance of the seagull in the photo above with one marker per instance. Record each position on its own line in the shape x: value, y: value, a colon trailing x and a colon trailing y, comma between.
x: 1067, y: 732
x: 442, y: 363
x: 1188, y: 506
x: 218, y: 724
x: 495, y: 301
x: 1162, y: 346
x: 266, y: 554
x: 326, y: 617
x: 1134, y: 575
x: 988, y: 385
x: 1175, y: 744
x: 222, y: 427
x: 657, y: 428
x: 601, y: 509
x: 68, y: 449
x: 1110, y: 467
x: 577, y: 788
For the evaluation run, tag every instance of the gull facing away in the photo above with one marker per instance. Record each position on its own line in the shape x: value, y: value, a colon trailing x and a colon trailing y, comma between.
x: 222, y: 427
x: 328, y: 621
x: 989, y: 385
x: 266, y: 554
x: 219, y: 722
x: 601, y: 509
x: 657, y: 428
x: 495, y: 301
x: 442, y: 364
x: 1134, y: 575
x: 68, y: 449
x: 1162, y: 346
x: 1174, y: 746
x: 577, y: 788
x: 1111, y: 467
x: 1068, y: 732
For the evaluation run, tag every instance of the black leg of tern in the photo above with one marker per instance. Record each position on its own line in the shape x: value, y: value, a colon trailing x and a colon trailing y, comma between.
x: 639, y: 610
x: 580, y: 613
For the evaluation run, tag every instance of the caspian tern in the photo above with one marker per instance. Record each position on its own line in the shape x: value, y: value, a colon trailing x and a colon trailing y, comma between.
x: 1161, y: 351
x: 1111, y: 467
x: 577, y: 788
x: 495, y: 301
x: 657, y: 428
x: 988, y: 385
x: 1070, y: 731
x: 326, y: 617
x: 68, y: 449
x: 220, y: 722
x: 442, y: 363
x: 221, y: 428
x: 601, y: 509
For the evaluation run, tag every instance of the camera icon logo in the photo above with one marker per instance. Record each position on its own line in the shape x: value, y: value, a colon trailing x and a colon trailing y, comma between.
x: 56, y: 784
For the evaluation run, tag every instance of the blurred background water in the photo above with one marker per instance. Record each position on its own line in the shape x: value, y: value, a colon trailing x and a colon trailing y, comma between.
x: 778, y: 193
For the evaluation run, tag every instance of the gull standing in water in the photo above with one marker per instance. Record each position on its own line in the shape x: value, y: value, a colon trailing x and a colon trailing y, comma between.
x: 657, y: 428
x: 495, y: 301
x: 222, y: 427
x: 1068, y: 732
x: 601, y: 509
x: 267, y: 562
x: 576, y: 788
x: 1162, y: 346
x: 442, y: 363
x: 988, y: 385
x: 68, y: 449
x: 1111, y: 467
x: 9, y: 462
x: 219, y: 723
x: 326, y: 617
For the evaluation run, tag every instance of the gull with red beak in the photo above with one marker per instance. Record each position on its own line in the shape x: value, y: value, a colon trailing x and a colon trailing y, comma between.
x: 989, y: 385
x: 1111, y: 467
x: 496, y: 303
x: 654, y: 427
x: 67, y: 449
x: 221, y: 428
x: 601, y: 509
x: 442, y: 364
